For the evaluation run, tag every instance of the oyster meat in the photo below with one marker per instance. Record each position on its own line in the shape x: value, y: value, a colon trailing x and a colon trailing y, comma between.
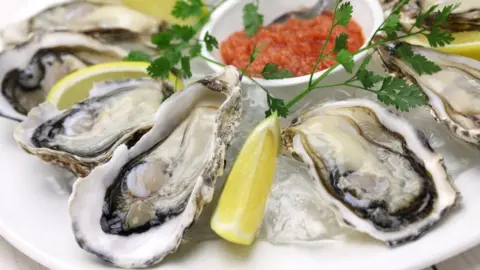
x: 86, y: 135
x: 101, y: 19
x: 29, y: 70
x: 134, y: 210
x: 453, y: 92
x: 376, y: 172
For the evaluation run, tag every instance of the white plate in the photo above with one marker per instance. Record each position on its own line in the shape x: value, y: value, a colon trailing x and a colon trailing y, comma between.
x: 34, y: 218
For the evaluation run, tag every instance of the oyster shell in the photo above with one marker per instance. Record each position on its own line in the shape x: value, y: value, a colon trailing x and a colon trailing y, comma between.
x: 85, y: 135
x: 29, y: 70
x: 98, y: 18
x: 375, y: 171
x: 464, y: 18
x: 134, y: 210
x: 453, y: 92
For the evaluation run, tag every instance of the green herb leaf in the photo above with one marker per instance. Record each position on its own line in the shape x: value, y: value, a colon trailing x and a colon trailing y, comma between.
x: 195, y: 50
x: 421, y: 17
x: 365, y: 62
x: 186, y: 66
x: 438, y: 37
x: 159, y: 68
x: 135, y: 56
x: 252, y: 19
x: 345, y: 58
x: 418, y: 62
x: 184, y: 9
x: 343, y: 14
x: 399, y: 6
x: 210, y: 41
x: 183, y: 32
x: 271, y: 72
x: 341, y: 42
x: 441, y: 17
x: 256, y: 51
x: 368, y: 78
x: 173, y: 57
x: 163, y: 39
x: 391, y: 26
x: 403, y: 96
x: 276, y: 105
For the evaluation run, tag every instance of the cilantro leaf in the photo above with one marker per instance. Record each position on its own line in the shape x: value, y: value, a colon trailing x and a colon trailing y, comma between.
x: 159, y: 68
x: 442, y: 16
x: 399, y: 6
x: 365, y: 62
x: 256, y: 51
x: 418, y: 62
x: 195, y: 50
x: 173, y: 56
x: 391, y: 26
x: 252, y: 19
x: 421, y: 17
x: 162, y: 39
x: 345, y: 58
x: 403, y: 96
x: 210, y: 41
x: 276, y: 105
x: 186, y: 66
x: 184, y: 9
x: 137, y: 56
x: 183, y: 32
x: 271, y: 72
x: 368, y: 78
x: 341, y: 42
x: 439, y: 38
x: 343, y: 14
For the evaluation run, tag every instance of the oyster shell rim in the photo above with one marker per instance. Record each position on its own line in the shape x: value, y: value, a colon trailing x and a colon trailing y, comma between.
x: 415, y: 140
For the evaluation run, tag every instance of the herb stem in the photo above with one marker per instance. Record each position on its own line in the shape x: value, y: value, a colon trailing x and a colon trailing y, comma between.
x: 321, y: 56
x: 211, y: 60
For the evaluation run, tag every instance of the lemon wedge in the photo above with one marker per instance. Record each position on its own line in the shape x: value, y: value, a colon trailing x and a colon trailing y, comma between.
x: 465, y: 43
x: 160, y: 9
x: 76, y: 86
x: 240, y: 209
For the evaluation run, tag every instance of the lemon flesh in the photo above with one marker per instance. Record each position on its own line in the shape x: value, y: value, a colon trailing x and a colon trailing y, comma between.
x: 160, y: 9
x: 465, y: 43
x: 240, y: 209
x: 76, y: 86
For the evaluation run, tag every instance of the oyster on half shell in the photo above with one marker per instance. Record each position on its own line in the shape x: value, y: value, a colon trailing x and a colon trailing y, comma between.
x: 104, y: 20
x: 29, y: 70
x: 86, y: 135
x: 453, y: 92
x: 376, y: 172
x: 134, y: 210
x: 465, y: 17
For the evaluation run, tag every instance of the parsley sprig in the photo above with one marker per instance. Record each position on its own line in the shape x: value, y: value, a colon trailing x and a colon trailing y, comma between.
x: 389, y: 90
x: 179, y: 44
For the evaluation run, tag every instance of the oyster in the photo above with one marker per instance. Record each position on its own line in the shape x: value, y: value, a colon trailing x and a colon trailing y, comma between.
x: 465, y: 17
x: 375, y: 171
x: 134, y: 210
x: 101, y: 19
x: 29, y: 70
x: 84, y: 136
x: 453, y: 92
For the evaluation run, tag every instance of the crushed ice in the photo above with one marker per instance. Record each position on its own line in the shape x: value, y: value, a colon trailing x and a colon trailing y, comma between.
x: 294, y: 211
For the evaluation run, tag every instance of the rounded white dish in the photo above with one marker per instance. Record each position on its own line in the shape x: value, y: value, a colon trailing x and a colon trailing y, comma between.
x: 227, y: 19
x: 34, y: 218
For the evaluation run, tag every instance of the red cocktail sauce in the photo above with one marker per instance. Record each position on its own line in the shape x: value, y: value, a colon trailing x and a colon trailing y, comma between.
x: 294, y: 45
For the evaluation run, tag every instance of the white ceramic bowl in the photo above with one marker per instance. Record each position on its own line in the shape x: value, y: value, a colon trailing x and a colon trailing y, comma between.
x: 227, y: 19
